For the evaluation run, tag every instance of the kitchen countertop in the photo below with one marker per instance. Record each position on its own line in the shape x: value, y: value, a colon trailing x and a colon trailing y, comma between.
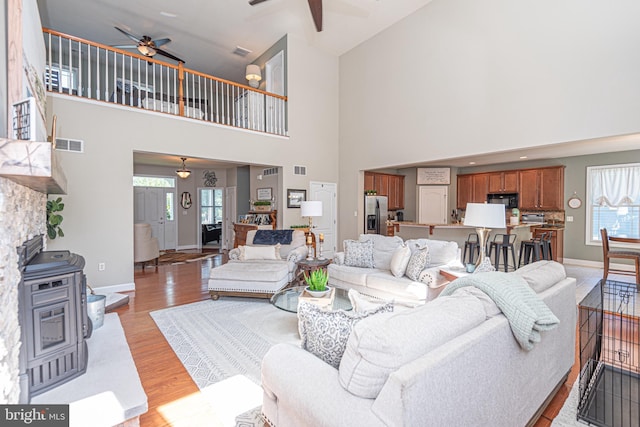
x: 461, y: 226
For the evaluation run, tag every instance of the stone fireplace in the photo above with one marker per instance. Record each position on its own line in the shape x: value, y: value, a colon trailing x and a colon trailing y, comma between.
x: 22, y: 215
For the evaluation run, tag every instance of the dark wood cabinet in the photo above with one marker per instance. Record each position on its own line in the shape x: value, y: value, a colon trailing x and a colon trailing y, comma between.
x: 465, y: 191
x: 503, y: 182
x: 388, y: 185
x: 542, y: 188
x: 480, y: 188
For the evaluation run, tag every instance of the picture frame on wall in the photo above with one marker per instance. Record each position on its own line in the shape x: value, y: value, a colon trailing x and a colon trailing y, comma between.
x: 295, y: 198
x: 430, y: 176
x: 264, y: 193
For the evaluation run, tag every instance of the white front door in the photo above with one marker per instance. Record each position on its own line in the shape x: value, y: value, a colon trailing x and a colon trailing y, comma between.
x: 156, y: 207
x: 432, y: 204
x: 327, y: 224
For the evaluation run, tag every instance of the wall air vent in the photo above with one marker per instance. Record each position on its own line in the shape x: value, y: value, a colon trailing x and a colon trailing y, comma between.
x: 299, y: 170
x: 66, y: 144
x: 270, y: 171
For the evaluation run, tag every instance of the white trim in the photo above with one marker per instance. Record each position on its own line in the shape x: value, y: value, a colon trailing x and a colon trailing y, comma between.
x: 186, y: 247
x: 124, y: 287
x: 597, y: 264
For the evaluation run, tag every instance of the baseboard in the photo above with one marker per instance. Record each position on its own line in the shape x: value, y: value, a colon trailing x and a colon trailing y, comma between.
x: 597, y: 264
x: 124, y: 287
x: 187, y: 247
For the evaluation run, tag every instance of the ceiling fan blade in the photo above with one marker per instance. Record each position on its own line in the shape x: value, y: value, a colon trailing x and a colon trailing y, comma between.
x: 161, y: 42
x: 131, y: 36
x: 168, y: 55
x: 316, y: 12
x: 255, y: 2
x: 124, y: 46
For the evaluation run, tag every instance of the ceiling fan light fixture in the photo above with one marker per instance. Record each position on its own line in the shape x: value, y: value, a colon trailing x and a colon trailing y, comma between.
x: 146, y: 50
x: 253, y: 75
x: 183, y: 172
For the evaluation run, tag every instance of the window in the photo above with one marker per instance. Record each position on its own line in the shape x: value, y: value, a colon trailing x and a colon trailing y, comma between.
x: 613, y: 201
x: 210, y: 206
x: 154, y: 181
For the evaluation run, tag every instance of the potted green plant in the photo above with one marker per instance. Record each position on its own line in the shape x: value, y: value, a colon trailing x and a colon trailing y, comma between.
x: 54, y: 219
x: 262, y: 205
x: 317, y: 283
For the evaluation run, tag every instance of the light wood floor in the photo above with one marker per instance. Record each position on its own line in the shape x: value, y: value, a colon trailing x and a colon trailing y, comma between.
x: 173, y: 397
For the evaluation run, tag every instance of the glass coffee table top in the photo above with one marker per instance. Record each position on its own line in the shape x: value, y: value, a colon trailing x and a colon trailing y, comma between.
x: 287, y: 299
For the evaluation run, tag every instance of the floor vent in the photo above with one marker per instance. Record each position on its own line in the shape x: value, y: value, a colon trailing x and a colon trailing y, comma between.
x: 65, y: 144
x: 299, y: 170
x: 270, y: 171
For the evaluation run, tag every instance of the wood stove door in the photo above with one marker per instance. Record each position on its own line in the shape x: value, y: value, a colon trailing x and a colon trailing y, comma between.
x: 52, y: 326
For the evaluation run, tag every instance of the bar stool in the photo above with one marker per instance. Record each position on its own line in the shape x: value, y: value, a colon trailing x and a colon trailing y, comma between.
x: 531, y: 249
x: 546, y: 246
x: 502, y: 243
x: 473, y: 245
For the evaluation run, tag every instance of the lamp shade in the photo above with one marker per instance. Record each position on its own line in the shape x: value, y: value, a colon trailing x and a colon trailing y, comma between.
x: 253, y: 75
x: 485, y: 215
x: 311, y: 208
x: 183, y: 172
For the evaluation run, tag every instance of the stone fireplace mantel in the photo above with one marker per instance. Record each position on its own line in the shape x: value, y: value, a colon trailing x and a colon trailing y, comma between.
x: 32, y: 164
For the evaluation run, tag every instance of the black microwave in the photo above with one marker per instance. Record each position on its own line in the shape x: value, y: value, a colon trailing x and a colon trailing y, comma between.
x: 509, y: 200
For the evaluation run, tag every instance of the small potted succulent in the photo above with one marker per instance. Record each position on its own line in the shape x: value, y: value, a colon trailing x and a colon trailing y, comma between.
x: 317, y: 283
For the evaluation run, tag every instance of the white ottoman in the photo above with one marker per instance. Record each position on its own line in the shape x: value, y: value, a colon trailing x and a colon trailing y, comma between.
x: 258, y: 279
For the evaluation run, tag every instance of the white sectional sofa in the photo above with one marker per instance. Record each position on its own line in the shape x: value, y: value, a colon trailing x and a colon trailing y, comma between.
x: 454, y: 362
x: 379, y: 281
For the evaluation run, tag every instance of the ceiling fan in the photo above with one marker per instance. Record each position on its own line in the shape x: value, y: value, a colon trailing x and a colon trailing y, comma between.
x: 147, y: 46
x: 314, y: 5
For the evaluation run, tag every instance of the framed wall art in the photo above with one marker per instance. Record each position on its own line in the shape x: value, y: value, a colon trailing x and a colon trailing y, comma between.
x: 264, y: 193
x: 295, y: 198
x: 438, y: 176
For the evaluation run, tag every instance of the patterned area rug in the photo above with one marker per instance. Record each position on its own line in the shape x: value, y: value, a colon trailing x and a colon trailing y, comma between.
x: 222, y: 343
x: 182, y: 257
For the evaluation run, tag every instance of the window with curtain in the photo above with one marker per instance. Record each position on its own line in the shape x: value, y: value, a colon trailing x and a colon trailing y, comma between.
x: 613, y: 201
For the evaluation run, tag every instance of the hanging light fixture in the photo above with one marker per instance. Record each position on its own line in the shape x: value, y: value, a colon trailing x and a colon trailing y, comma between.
x: 184, y: 172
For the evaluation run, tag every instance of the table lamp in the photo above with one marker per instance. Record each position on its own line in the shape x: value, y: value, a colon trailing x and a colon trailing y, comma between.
x: 484, y: 217
x: 310, y: 209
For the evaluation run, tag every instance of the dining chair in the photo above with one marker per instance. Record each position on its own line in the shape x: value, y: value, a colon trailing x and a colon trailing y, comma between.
x: 622, y: 254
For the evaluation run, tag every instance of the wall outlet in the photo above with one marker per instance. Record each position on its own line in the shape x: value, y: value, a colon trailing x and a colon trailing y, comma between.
x: 101, y: 266
x: 355, y: 213
x: 569, y: 219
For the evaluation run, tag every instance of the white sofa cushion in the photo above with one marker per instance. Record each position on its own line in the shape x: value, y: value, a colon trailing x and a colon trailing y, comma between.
x: 259, y: 252
x: 442, y: 252
x: 383, y: 248
x: 252, y: 271
x: 353, y: 275
x: 396, y: 286
x: 358, y: 254
x: 325, y: 333
x: 541, y: 275
x: 407, y: 335
x: 400, y: 260
x: 297, y: 240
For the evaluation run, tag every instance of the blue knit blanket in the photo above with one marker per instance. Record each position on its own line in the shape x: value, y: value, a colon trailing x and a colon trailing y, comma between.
x: 273, y: 237
x: 528, y: 315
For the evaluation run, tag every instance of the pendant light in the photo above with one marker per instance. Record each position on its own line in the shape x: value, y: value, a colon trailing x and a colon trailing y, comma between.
x: 184, y: 172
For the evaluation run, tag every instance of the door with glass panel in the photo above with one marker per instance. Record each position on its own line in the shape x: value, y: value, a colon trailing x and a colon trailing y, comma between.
x: 211, y: 216
x: 154, y: 204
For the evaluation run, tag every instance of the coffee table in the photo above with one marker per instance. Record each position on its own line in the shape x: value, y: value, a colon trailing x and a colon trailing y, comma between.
x: 287, y: 299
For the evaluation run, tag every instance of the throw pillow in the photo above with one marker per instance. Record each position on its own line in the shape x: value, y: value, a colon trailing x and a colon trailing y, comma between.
x: 259, y: 252
x: 364, y: 303
x: 418, y: 261
x: 400, y: 260
x: 325, y: 333
x: 358, y: 254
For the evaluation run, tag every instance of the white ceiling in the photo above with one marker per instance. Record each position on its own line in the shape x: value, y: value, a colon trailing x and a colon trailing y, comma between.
x: 205, y: 33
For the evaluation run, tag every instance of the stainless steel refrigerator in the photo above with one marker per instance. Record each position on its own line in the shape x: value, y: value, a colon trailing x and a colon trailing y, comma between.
x: 375, y: 216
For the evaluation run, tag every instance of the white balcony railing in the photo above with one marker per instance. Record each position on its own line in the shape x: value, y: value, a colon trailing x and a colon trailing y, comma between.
x: 90, y: 70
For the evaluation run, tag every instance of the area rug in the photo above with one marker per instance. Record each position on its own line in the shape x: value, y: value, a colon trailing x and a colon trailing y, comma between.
x: 182, y: 257
x: 221, y: 344
x: 567, y: 417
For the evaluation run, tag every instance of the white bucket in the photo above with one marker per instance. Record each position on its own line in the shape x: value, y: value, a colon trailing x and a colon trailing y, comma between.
x: 95, y: 309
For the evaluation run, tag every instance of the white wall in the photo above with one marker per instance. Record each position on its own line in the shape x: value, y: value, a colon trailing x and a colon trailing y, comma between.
x: 460, y: 77
x: 99, y: 205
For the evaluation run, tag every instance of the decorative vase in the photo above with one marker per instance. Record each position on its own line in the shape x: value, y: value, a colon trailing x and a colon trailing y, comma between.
x: 318, y: 294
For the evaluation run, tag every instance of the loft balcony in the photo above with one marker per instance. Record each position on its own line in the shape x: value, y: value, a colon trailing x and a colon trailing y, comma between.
x: 81, y: 68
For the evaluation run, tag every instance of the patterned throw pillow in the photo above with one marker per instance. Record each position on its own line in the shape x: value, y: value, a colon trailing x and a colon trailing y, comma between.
x: 419, y: 260
x: 325, y: 333
x: 358, y: 254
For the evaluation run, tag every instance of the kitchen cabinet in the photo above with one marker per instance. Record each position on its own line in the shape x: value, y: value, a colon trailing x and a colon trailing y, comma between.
x: 503, y: 182
x: 557, y: 241
x: 480, y: 188
x: 389, y: 185
x: 465, y: 191
x: 542, y: 188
